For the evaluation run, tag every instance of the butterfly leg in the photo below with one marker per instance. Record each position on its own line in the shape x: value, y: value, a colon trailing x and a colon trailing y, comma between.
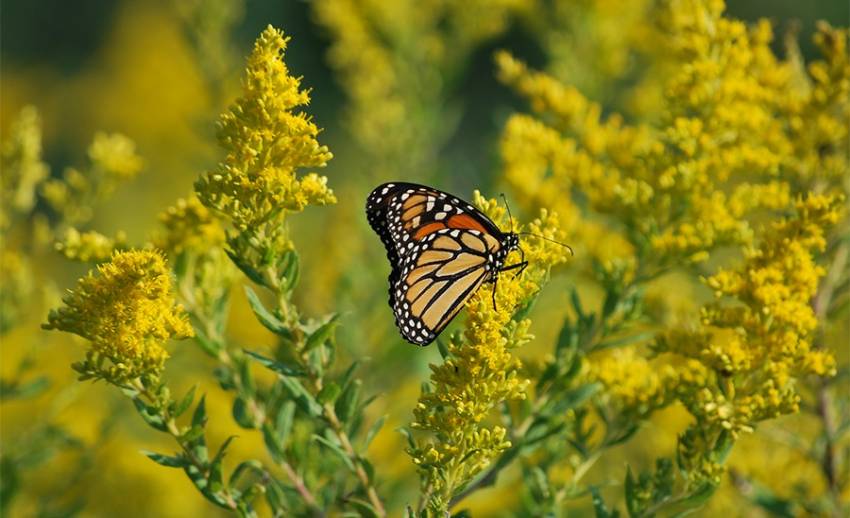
x: 521, y: 266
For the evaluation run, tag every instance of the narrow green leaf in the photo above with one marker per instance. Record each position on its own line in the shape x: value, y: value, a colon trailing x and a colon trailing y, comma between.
x: 276, y: 366
x: 283, y: 421
x: 245, y: 467
x: 304, y: 399
x: 335, y: 448
x: 624, y: 340
x: 273, y: 443
x: 346, y: 405
x: 373, y: 430
x: 407, y: 435
x: 269, y: 321
x: 246, y: 268
x: 150, y: 415
x: 186, y: 402
x: 242, y: 414
x: 599, y: 505
x: 632, y: 502
x: 329, y: 393
x: 322, y: 334
x: 166, y: 460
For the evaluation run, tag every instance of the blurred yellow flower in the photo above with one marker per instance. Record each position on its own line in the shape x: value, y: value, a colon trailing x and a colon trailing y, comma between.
x: 189, y: 225
x: 22, y: 166
x: 127, y: 311
x: 89, y: 246
x: 115, y: 155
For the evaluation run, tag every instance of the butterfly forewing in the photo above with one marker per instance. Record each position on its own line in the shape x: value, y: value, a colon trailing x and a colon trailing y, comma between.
x: 441, y: 250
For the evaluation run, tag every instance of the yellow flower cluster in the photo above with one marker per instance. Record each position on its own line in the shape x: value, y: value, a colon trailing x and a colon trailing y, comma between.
x: 115, y: 155
x: 22, y: 166
x: 756, y: 338
x: 480, y: 371
x: 189, y: 225
x: 89, y: 246
x: 112, y: 159
x: 266, y: 142
x: 127, y: 311
x: 667, y: 182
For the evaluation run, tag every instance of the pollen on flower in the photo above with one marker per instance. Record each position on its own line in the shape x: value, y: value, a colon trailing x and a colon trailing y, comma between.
x: 127, y: 311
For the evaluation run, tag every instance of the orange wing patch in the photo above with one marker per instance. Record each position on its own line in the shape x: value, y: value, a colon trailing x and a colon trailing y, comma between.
x: 426, y: 230
x: 465, y: 221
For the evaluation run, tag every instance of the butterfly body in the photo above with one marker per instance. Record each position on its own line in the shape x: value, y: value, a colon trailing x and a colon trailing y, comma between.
x: 441, y: 249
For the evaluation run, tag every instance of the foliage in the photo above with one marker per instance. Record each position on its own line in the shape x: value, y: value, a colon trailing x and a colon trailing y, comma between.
x: 685, y: 359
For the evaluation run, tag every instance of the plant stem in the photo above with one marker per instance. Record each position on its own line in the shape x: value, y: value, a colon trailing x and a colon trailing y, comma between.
x: 301, y: 488
x: 339, y: 431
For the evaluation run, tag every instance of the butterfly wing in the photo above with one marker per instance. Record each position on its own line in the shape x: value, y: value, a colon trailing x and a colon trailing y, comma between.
x: 437, y: 279
x: 438, y: 247
x: 405, y: 213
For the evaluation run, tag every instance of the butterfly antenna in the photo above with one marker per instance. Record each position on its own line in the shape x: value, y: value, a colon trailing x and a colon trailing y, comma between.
x: 568, y: 247
x: 510, y: 216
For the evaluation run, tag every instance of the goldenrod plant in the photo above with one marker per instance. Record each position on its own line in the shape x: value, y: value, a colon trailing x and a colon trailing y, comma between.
x: 230, y: 345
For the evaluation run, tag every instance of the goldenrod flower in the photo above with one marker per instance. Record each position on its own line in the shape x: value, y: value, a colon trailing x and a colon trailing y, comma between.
x: 16, y: 288
x: 89, y: 246
x: 266, y: 142
x: 127, y: 311
x: 22, y: 166
x: 756, y: 338
x: 189, y: 225
x: 481, y: 371
x: 115, y: 155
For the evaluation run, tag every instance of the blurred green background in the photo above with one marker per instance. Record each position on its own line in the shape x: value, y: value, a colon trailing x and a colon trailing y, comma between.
x: 130, y: 67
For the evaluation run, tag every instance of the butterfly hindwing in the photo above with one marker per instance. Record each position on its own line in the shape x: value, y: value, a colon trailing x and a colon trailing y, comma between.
x: 436, y: 280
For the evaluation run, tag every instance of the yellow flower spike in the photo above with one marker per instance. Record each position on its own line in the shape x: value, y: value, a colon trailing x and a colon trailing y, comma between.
x: 481, y: 371
x: 127, y: 311
x: 89, y: 246
x: 189, y: 225
x: 115, y: 155
x: 266, y: 142
x: 22, y: 166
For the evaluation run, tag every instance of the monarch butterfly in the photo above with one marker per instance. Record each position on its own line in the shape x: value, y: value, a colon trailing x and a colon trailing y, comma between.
x: 441, y: 250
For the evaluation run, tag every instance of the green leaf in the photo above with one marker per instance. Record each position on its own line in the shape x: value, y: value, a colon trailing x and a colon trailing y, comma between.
x: 274, y: 444
x: 572, y: 399
x: 166, y: 460
x: 443, y: 348
x: 244, y: 467
x: 242, y: 415
x: 215, y: 465
x: 278, y: 367
x: 322, y: 334
x: 329, y: 393
x: 283, y: 420
x: 269, y: 321
x: 696, y: 499
x: 304, y: 399
x: 599, y: 505
x: 335, y: 448
x: 150, y: 414
x: 364, y: 509
x: 199, y: 420
x: 408, y: 435
x: 186, y: 402
x: 246, y: 268
x: 633, y: 504
x: 373, y: 430
x: 289, y: 270
x: 346, y: 405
